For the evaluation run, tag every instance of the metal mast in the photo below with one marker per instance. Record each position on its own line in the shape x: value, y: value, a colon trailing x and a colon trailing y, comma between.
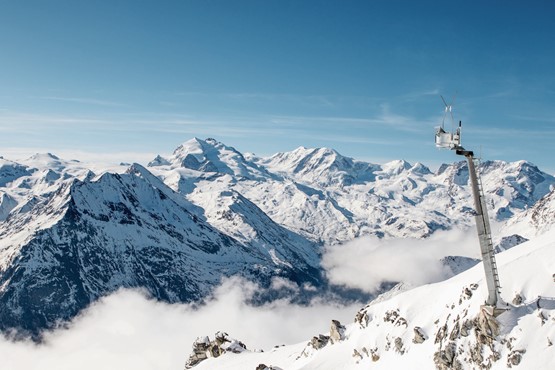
x: 483, y: 228
x: 452, y: 140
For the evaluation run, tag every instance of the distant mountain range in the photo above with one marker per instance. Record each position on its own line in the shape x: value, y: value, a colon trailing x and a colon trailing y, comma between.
x: 72, y: 232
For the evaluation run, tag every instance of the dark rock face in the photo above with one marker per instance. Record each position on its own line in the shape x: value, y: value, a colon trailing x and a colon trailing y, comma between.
x: 508, y: 242
x: 123, y: 231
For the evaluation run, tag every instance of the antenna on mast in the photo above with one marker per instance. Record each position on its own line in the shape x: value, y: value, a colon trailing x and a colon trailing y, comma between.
x: 444, y: 139
x: 448, y: 109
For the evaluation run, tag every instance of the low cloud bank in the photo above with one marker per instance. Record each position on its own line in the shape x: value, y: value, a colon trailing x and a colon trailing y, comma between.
x: 367, y: 262
x: 128, y: 331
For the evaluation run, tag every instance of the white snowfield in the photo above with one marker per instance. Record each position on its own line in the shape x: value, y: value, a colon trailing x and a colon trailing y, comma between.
x: 441, y: 311
x: 330, y: 198
x: 317, y: 193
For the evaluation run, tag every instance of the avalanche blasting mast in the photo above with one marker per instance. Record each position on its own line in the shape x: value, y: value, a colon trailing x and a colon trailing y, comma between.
x: 452, y: 141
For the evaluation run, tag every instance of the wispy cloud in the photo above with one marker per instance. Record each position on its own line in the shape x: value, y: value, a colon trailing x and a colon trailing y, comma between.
x: 303, y: 100
x: 386, y: 118
x: 106, y: 103
x: 10, y: 118
x: 415, y: 95
x: 352, y: 139
x: 543, y: 119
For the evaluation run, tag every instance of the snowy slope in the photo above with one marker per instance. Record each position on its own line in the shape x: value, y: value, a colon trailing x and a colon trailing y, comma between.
x: 29, y: 181
x: 90, y: 238
x: 329, y: 198
x: 445, y: 316
x: 210, y: 156
x: 535, y: 220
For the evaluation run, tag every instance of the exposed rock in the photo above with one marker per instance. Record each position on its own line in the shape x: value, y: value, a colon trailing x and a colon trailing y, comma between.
x: 399, y: 345
x: 362, y: 318
x: 204, y: 348
x: 466, y: 327
x: 419, y: 335
x: 509, y: 342
x: 450, y: 352
x: 265, y: 367
x: 395, y: 318
x: 447, y: 359
x: 401, y: 321
x: 337, y: 331
x: 467, y: 293
x: 456, y: 331
x: 356, y: 354
x: 542, y: 317
x: 517, y: 300
x: 486, y: 326
x: 315, y: 344
x: 441, y: 334
x: 514, y: 358
x: 200, y: 347
x: 391, y: 316
x: 374, y: 354
x: 495, y: 356
x: 319, y: 342
x: 476, y: 353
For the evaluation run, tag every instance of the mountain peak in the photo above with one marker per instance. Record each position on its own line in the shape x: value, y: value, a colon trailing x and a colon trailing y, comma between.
x: 396, y: 167
x: 304, y: 160
x: 211, y: 156
x: 42, y: 156
x: 158, y: 161
x: 419, y: 168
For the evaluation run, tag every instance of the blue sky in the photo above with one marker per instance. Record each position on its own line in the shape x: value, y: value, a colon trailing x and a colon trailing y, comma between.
x: 128, y: 79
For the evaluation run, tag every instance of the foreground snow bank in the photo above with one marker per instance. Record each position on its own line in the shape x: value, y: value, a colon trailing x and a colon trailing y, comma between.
x: 440, y: 325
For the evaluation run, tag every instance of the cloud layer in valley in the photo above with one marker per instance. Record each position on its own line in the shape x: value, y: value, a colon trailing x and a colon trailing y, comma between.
x: 367, y: 262
x: 128, y: 331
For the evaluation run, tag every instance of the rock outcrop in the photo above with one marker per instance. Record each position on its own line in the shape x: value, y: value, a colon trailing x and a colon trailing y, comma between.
x: 204, y: 348
x: 337, y: 331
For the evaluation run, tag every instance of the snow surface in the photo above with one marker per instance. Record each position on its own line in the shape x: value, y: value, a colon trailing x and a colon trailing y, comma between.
x: 330, y: 199
x: 527, y: 269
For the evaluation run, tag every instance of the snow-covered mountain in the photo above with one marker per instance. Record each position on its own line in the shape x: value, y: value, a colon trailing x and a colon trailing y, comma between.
x: 329, y: 198
x: 437, y: 326
x: 72, y: 232
x: 89, y: 238
x: 535, y: 220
